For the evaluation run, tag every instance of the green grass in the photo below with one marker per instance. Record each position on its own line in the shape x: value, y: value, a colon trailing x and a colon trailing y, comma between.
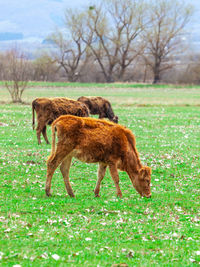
x: 117, y: 95
x: 105, y: 231
x: 106, y: 85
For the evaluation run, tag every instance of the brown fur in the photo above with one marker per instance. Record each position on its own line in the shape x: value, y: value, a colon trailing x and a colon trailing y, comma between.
x: 49, y: 109
x: 99, y: 105
x: 93, y: 140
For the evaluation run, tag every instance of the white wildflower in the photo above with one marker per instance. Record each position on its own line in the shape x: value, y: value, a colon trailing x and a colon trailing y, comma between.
x: 55, y: 257
x: 88, y: 239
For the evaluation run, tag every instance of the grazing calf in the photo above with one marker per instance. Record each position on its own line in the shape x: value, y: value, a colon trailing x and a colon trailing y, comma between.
x: 99, y: 105
x: 49, y: 109
x: 93, y: 140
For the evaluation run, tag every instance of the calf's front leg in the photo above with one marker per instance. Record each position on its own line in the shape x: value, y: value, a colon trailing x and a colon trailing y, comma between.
x: 102, y: 115
x: 115, y: 176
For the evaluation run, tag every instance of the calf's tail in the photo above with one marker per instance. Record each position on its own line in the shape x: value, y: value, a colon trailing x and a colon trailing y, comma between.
x: 53, y: 144
x: 33, y: 116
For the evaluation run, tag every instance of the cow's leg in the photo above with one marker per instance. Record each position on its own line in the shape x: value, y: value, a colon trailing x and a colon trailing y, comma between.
x: 101, y: 174
x: 45, y: 134
x: 64, y: 168
x: 38, y: 132
x: 39, y: 129
x: 115, y: 177
x: 102, y: 115
x: 52, y: 163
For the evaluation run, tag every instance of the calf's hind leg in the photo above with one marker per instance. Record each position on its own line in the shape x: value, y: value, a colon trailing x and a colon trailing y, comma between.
x: 45, y: 134
x: 64, y: 168
x: 101, y: 174
x: 52, y: 163
x: 39, y: 130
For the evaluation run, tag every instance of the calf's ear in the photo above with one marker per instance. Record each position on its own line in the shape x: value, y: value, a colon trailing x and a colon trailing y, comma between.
x: 145, y: 172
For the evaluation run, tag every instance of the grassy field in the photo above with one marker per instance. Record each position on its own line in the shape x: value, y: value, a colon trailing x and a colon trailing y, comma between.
x: 106, y: 231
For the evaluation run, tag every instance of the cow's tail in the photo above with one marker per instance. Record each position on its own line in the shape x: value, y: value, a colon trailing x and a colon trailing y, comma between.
x: 33, y: 115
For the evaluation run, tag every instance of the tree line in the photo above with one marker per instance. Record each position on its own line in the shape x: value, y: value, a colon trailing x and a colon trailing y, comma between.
x: 115, y: 34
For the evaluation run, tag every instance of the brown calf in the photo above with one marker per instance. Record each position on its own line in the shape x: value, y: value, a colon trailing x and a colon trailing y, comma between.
x: 93, y: 140
x: 99, y: 105
x: 49, y: 109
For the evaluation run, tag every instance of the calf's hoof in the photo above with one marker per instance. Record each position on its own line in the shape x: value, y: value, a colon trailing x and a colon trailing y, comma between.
x: 48, y: 193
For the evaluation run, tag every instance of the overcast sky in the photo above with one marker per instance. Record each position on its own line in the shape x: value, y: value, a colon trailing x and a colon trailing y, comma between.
x: 35, y: 19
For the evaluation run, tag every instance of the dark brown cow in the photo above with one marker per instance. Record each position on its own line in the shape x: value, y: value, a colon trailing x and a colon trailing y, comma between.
x: 49, y: 109
x: 93, y: 140
x: 99, y: 105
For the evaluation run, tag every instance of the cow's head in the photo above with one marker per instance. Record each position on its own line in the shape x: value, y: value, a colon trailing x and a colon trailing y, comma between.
x: 115, y: 119
x: 143, y: 181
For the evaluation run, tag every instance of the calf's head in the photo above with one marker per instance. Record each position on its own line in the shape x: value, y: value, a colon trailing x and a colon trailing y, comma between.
x: 143, y: 181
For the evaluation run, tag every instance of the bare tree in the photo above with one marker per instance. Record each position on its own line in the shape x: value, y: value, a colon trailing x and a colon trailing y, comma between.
x: 71, y: 52
x: 162, y: 37
x: 44, y: 68
x: 95, y: 36
x: 129, y: 21
x: 192, y: 71
x: 111, y: 32
x: 16, y: 73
